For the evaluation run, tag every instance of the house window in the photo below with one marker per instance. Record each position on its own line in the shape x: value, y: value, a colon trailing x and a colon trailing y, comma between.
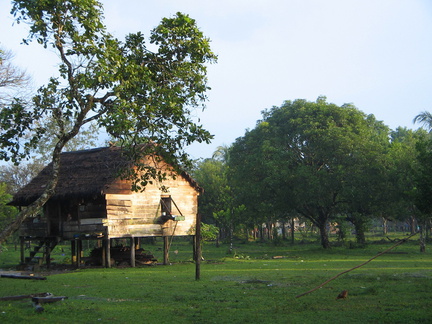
x: 167, y: 213
x: 166, y: 206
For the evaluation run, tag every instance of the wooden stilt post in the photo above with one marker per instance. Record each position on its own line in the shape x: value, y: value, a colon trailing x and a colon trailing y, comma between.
x: 132, y: 251
x: 108, y: 252
x: 198, y: 248
x: 48, y: 255
x: 79, y: 252
x: 104, y: 258
x: 73, y: 253
x: 194, y: 252
x: 166, y: 252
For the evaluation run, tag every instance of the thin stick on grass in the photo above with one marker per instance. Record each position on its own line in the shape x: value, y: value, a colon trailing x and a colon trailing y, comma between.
x: 360, y: 265
x: 19, y: 297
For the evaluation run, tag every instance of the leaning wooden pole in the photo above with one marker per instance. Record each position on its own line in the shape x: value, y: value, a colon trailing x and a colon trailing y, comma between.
x: 198, y: 248
x: 356, y: 267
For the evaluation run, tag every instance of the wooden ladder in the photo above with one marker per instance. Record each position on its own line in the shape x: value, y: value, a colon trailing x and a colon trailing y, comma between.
x: 45, y: 246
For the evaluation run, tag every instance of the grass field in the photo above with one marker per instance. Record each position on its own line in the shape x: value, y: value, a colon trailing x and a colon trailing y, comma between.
x: 246, y: 286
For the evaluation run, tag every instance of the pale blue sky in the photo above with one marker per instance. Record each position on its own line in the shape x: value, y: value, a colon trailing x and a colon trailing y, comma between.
x: 374, y: 54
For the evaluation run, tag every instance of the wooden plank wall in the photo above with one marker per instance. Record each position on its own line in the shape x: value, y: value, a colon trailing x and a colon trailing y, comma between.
x: 137, y: 213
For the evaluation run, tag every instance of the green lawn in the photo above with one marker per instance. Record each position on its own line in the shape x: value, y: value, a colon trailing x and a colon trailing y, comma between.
x: 248, y: 286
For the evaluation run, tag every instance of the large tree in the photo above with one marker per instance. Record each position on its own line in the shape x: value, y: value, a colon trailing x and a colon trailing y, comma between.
x: 217, y: 197
x: 366, y: 182
x: 139, y: 96
x: 304, y: 156
x: 218, y: 204
x: 403, y: 166
x: 211, y: 175
x: 251, y: 167
x: 423, y: 189
x: 423, y: 177
x: 11, y: 77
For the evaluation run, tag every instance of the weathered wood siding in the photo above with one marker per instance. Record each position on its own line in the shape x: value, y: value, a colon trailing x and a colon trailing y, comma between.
x: 119, y: 212
x: 72, y: 218
x: 138, y: 213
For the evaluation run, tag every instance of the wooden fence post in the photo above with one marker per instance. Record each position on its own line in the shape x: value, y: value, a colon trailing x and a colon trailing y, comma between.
x: 132, y: 251
x: 198, y: 248
x: 166, y: 251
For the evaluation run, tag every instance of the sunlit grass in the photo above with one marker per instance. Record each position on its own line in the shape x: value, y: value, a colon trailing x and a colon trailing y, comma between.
x: 245, y: 286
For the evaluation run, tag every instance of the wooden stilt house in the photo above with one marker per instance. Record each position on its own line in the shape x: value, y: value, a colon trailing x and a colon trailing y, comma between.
x: 92, y: 201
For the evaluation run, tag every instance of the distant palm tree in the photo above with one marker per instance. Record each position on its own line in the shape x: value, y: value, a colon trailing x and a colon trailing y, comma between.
x: 221, y: 153
x: 424, y: 118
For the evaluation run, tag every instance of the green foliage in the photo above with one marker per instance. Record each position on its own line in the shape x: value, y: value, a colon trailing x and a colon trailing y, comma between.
x: 209, y: 232
x: 7, y: 213
x: 310, y: 157
x: 424, y: 118
x: 217, y: 203
x: 211, y: 175
x: 423, y: 177
x: 403, y: 164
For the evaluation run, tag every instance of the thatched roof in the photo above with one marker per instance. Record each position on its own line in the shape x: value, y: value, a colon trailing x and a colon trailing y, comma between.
x: 86, y: 173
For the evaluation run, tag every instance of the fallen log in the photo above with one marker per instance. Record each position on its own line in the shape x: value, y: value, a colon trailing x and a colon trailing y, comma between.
x: 20, y: 297
x: 22, y: 277
x: 48, y: 299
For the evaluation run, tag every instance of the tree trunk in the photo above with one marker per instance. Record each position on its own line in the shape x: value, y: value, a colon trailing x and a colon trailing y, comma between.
x: 292, y: 230
x: 231, y: 238
x: 283, y: 231
x: 269, y: 232
x: 51, y: 185
x: 384, y: 226
x: 325, y: 242
x: 360, y: 236
x: 341, y: 233
x: 261, y: 232
x: 198, y: 248
x: 33, y: 208
x: 422, y: 240
x: 412, y: 223
x: 360, y: 226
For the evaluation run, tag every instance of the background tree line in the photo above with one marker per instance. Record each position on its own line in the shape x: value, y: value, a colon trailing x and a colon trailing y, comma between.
x: 318, y: 162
